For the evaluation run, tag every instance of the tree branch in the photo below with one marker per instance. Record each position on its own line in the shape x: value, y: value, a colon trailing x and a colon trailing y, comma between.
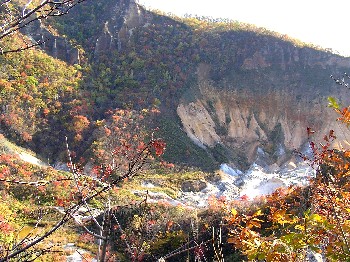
x: 135, y: 165
x: 14, y: 21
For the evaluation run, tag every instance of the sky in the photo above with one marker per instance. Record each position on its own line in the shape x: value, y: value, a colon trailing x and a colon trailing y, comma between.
x: 320, y: 22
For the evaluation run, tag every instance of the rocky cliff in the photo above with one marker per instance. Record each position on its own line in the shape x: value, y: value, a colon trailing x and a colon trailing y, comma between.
x: 264, y: 102
x: 245, y: 120
x: 115, y: 27
x: 124, y: 17
x: 55, y: 45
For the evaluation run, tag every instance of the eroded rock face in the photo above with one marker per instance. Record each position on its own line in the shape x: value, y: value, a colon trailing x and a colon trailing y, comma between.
x: 261, y: 53
x: 274, y: 120
x: 56, y: 46
x: 119, y: 21
x: 124, y: 17
x: 198, y: 123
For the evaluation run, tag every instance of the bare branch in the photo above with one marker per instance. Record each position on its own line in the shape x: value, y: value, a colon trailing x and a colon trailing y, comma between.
x: 13, y: 20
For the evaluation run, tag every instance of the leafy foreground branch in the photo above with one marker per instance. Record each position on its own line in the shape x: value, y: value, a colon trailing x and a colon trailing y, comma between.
x: 134, y: 166
x: 297, y: 223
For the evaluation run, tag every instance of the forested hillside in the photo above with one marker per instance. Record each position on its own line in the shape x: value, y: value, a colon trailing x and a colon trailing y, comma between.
x: 130, y: 58
x: 132, y: 112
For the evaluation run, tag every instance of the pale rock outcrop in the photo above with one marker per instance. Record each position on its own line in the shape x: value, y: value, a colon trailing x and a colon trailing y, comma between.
x: 198, y: 124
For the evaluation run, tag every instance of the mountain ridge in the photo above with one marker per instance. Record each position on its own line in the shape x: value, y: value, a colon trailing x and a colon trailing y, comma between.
x: 231, y: 87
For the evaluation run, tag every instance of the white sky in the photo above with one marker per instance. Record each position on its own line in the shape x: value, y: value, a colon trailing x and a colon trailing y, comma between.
x: 321, y: 22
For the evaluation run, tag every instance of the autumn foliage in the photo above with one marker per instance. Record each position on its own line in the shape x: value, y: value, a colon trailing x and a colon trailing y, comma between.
x: 295, y: 223
x: 107, y: 118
